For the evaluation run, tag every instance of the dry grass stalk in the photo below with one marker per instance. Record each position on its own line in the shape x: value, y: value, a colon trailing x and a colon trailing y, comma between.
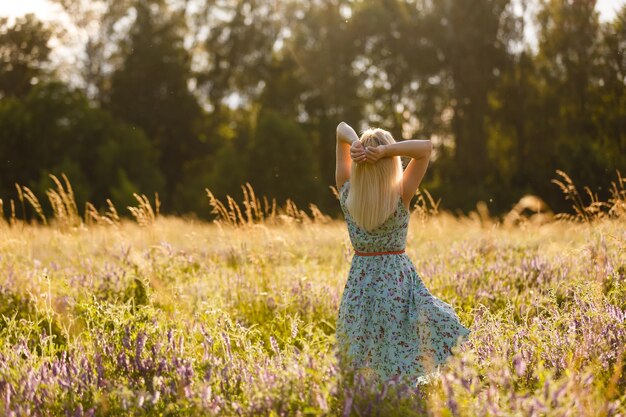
x: 318, y: 216
x: 109, y: 218
x: 63, y: 203
x: 57, y: 207
x: 157, y: 205
x: 91, y: 214
x: 425, y: 205
x: 255, y: 210
x: 292, y: 211
x: 111, y: 215
x: 256, y: 206
x: 143, y: 213
x: 64, y: 206
x: 334, y: 190
x: 252, y: 205
x: 20, y: 195
x: 270, y: 210
x: 618, y: 197
x: 13, y: 219
x: 235, y: 211
x: 2, y: 219
x: 596, y: 208
x: 34, y: 202
x: 218, y: 208
x: 483, y: 214
x: 247, y: 204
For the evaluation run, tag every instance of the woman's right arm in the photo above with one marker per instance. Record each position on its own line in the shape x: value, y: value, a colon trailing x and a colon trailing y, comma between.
x: 419, y: 152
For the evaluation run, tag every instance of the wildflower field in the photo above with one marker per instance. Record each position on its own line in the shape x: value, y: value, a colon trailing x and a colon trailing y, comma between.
x: 175, y: 317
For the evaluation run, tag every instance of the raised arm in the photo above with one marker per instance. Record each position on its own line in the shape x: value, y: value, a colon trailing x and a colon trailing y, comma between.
x: 419, y: 152
x: 346, y: 136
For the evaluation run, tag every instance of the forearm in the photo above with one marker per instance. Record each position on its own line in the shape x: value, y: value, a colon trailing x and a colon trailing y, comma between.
x: 345, y: 134
x: 416, y: 149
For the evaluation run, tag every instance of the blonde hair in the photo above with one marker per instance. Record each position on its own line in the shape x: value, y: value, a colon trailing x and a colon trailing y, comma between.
x: 375, y: 188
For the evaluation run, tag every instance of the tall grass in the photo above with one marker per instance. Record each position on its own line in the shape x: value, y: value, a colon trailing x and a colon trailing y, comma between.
x: 593, y: 208
x: 254, y: 210
x: 237, y: 317
x: 261, y: 210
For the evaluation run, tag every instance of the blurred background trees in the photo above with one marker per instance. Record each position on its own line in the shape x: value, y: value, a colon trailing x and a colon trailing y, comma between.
x: 177, y: 96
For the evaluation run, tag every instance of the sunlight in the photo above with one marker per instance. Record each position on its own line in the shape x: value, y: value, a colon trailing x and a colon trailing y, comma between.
x: 44, y: 9
x: 608, y: 8
x: 47, y: 10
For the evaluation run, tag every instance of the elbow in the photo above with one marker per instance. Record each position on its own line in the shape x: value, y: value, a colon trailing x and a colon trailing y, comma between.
x: 342, y: 128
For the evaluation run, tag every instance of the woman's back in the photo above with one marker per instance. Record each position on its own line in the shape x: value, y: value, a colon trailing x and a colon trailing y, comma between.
x: 389, y: 236
x: 388, y: 320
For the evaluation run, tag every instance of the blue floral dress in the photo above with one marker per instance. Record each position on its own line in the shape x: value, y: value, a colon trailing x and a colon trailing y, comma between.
x: 388, y: 320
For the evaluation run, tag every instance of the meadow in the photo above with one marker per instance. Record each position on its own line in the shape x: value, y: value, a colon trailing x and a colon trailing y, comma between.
x: 165, y: 316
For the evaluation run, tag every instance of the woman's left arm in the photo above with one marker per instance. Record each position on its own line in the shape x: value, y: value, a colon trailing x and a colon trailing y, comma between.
x: 346, y: 138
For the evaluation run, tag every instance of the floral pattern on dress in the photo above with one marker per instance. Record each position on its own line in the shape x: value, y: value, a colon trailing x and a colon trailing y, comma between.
x: 388, y: 320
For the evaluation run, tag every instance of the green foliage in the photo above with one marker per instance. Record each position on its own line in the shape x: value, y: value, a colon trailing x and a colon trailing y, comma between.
x: 149, y: 91
x: 203, y: 90
x: 22, y: 322
x: 100, y: 154
x: 280, y: 160
x: 24, y: 54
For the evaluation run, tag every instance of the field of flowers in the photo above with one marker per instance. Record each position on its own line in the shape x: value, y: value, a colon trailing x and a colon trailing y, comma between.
x: 177, y: 317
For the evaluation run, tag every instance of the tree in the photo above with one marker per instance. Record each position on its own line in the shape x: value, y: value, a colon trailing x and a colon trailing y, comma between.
x: 24, y: 54
x: 103, y: 23
x: 610, y: 112
x: 317, y: 62
x: 567, y: 64
x: 150, y: 90
x: 55, y: 129
x: 280, y: 161
x: 472, y: 42
x: 238, y: 48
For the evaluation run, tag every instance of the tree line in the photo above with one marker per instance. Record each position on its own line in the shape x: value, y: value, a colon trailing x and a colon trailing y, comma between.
x: 177, y: 96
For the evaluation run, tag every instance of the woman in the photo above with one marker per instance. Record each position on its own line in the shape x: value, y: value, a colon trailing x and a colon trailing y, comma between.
x: 389, y: 322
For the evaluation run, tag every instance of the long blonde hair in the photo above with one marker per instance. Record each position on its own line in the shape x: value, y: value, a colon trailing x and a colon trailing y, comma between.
x: 375, y: 188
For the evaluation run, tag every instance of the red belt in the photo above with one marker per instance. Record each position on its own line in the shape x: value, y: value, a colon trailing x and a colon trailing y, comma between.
x: 395, y: 252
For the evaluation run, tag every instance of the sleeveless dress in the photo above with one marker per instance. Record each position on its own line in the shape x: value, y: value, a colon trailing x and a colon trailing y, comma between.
x: 388, y: 321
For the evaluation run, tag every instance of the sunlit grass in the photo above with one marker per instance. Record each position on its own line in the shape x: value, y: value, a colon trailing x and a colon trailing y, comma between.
x: 166, y: 316
x: 189, y: 318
